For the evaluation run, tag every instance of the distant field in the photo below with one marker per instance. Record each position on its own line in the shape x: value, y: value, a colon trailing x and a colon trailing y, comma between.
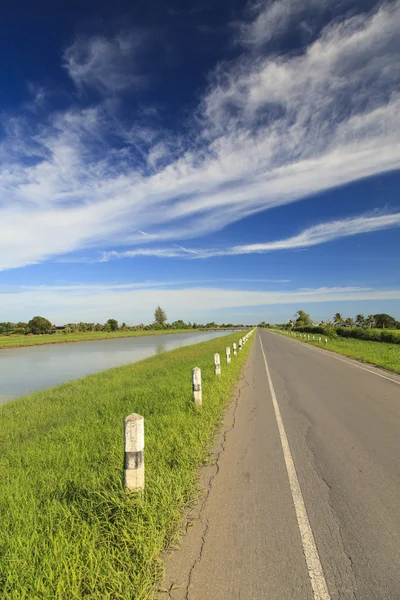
x: 377, y: 353
x: 69, y: 530
x: 15, y: 341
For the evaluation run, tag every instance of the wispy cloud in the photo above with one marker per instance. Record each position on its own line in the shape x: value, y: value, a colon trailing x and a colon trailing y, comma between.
x: 270, y: 20
x: 110, y: 65
x: 61, y: 304
x: 325, y: 232
x: 269, y: 130
x: 137, y: 285
x: 313, y: 236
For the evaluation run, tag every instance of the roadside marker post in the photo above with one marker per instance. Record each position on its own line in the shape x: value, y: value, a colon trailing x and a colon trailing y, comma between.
x: 217, y: 364
x: 240, y: 343
x: 319, y: 340
x: 234, y: 349
x: 196, y: 386
x: 134, y: 452
x: 326, y: 341
x: 228, y: 355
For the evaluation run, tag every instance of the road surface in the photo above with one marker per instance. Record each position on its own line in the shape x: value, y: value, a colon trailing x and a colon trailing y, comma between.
x: 303, y: 498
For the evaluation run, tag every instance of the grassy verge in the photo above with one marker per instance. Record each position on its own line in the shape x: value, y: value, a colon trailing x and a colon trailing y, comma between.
x: 379, y: 354
x: 69, y: 530
x: 16, y: 341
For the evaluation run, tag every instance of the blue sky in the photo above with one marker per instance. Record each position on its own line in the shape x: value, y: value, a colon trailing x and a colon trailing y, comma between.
x: 228, y: 160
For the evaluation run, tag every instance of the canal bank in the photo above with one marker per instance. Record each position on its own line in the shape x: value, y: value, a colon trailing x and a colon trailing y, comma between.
x: 69, y: 529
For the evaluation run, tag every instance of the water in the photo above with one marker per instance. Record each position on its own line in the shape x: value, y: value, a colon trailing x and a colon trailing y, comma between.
x: 26, y: 370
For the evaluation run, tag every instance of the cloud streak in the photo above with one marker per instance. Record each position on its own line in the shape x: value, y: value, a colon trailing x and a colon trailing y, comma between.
x: 269, y: 130
x: 313, y: 236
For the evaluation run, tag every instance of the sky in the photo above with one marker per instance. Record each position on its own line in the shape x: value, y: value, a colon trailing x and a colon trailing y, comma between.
x: 228, y: 160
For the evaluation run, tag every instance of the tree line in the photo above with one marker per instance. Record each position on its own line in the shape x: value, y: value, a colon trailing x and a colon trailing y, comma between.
x: 40, y: 325
x: 371, y: 328
x: 377, y: 321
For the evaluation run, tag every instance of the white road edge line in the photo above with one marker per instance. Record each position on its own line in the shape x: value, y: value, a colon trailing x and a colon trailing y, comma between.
x: 333, y: 355
x: 314, y: 566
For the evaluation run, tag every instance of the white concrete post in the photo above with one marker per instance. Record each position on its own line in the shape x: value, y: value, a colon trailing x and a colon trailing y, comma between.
x: 308, y: 337
x: 319, y: 340
x: 196, y: 386
x: 240, y: 343
x: 313, y: 337
x: 326, y: 341
x: 217, y: 364
x: 134, y: 452
x: 234, y: 349
x: 228, y: 355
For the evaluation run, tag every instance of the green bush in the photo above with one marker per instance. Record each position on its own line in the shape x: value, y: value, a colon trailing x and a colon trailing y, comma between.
x: 358, y: 333
x: 372, y: 335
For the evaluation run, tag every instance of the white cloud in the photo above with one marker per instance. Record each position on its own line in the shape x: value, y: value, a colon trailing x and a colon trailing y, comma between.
x: 91, y: 303
x: 109, y: 65
x: 325, y: 232
x: 272, y: 19
x: 270, y: 130
x: 318, y: 234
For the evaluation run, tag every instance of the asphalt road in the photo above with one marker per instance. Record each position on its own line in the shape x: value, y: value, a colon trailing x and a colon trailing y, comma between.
x: 303, y: 498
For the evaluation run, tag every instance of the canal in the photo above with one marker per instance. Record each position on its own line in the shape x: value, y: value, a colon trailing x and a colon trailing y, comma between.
x: 26, y: 370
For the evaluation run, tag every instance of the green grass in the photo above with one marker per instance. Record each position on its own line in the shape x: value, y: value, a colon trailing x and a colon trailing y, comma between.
x: 380, y: 354
x: 16, y: 341
x: 69, y: 531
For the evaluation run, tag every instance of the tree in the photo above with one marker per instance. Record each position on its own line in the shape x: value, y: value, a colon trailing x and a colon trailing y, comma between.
x: 349, y: 322
x: 160, y: 316
x: 112, y: 325
x: 370, y: 321
x: 6, y: 327
x: 338, y: 319
x: 179, y: 324
x: 360, y: 320
x: 303, y: 319
x: 39, y: 325
x: 384, y: 321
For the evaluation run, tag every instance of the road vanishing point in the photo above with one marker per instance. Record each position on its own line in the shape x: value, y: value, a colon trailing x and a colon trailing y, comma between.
x: 302, y: 497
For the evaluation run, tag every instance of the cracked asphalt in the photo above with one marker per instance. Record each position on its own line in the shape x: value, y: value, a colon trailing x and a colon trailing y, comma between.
x: 242, y: 539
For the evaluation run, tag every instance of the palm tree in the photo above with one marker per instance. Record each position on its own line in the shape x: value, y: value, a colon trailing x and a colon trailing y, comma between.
x: 349, y: 322
x: 338, y: 319
x: 371, y: 321
x: 360, y: 320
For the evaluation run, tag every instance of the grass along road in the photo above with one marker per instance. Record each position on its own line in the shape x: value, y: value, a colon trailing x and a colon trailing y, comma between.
x: 69, y: 529
x: 380, y: 354
x: 17, y: 341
